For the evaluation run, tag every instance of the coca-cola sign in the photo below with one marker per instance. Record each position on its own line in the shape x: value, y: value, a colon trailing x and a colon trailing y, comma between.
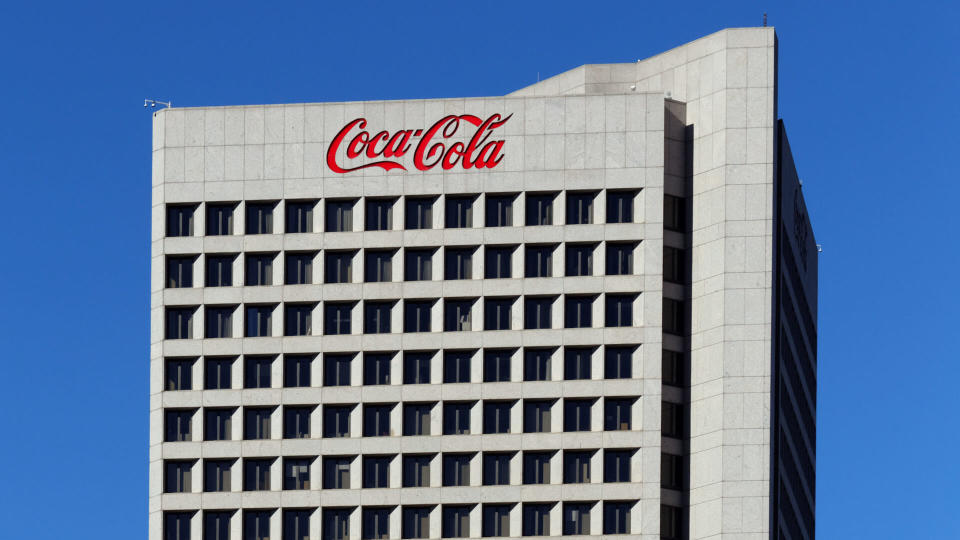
x: 431, y: 146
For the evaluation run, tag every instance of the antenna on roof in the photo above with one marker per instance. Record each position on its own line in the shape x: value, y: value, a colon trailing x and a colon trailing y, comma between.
x: 764, y: 20
x: 153, y: 103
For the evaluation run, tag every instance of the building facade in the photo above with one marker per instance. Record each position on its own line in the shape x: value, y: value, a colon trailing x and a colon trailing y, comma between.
x: 585, y: 308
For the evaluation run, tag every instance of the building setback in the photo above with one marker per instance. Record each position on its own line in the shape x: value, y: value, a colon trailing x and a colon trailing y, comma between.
x: 584, y: 308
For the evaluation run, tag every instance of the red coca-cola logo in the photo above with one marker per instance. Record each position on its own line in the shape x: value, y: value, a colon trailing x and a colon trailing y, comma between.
x: 431, y: 150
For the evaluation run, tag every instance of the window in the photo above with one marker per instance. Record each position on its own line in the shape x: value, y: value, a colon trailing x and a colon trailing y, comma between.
x: 257, y: 371
x: 618, y: 362
x: 673, y: 316
x: 296, y: 473
x: 259, y: 269
x: 498, y: 262
x: 670, y: 522
x: 179, y: 374
x: 616, y: 465
x: 496, y: 469
x: 671, y: 421
x: 576, y: 518
x: 416, y: 522
x: 177, y: 476
x: 296, y: 524
x: 459, y: 212
x: 216, y: 475
x: 576, y: 415
x: 455, y: 521
x: 580, y: 208
x: 176, y: 525
x: 616, y: 517
x: 536, y: 364
x: 180, y: 272
x: 336, y: 318
x: 298, y: 269
x: 296, y: 422
x: 416, y: 419
x: 298, y: 319
x: 376, y: 317
x: 416, y: 315
x: 256, y: 423
x: 499, y: 210
x: 456, y: 470
x: 179, y: 323
x: 416, y: 367
x: 620, y: 310
x: 540, y: 209
x: 416, y: 471
x: 458, y: 263
x: 300, y: 216
x: 456, y: 418
x: 671, y: 471
x: 672, y: 371
x: 180, y: 220
x: 376, y: 523
x: 379, y: 214
x: 674, y: 213
x: 619, y: 259
x: 220, y: 219
x: 336, y: 369
x: 378, y: 266
x: 376, y: 420
x: 376, y: 471
x: 673, y: 261
x: 296, y: 371
x: 217, y: 424
x: 336, y: 472
x: 417, y: 264
x: 577, y: 363
x: 260, y: 218
x: 177, y: 425
x: 219, y: 321
x: 536, y: 519
x: 620, y: 206
x: 338, y: 267
x: 617, y: 414
x: 218, y: 373
x: 220, y: 270
x: 336, y: 523
x: 496, y: 313
x: 456, y: 366
x: 376, y: 368
x: 256, y: 524
x: 579, y: 312
x: 496, y: 520
x: 336, y: 421
x: 496, y: 417
x: 537, y: 312
x: 576, y: 467
x: 339, y: 216
x: 536, y: 467
x: 538, y: 261
x: 580, y: 259
x: 256, y: 474
x: 536, y: 416
x: 456, y: 315
x: 419, y: 213
x: 496, y: 365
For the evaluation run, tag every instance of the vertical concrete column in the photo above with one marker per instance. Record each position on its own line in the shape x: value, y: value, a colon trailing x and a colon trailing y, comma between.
x: 556, y: 365
x: 395, y: 470
x: 359, y: 214
x: 276, y: 372
x: 600, y: 259
x: 476, y: 417
x: 596, y: 414
x: 436, y: 422
x: 479, y: 212
x: 236, y: 323
x: 279, y: 269
x: 478, y: 263
x: 596, y: 364
x: 439, y: 211
x: 276, y: 320
x: 358, y: 262
x: 398, y: 215
x: 356, y: 318
x: 436, y: 525
x: 396, y: 421
x: 599, y: 207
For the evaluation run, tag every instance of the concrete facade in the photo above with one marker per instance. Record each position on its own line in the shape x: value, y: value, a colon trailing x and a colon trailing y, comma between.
x: 696, y: 125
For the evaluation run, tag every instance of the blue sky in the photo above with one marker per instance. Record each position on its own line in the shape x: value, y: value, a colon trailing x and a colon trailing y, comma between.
x: 868, y: 93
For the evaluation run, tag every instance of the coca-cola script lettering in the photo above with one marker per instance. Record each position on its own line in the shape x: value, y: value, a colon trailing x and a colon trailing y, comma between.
x: 433, y: 148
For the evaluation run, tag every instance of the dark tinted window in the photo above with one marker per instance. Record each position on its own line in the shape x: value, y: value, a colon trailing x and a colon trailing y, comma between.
x: 456, y: 366
x: 376, y: 471
x: 376, y: 317
x: 538, y: 261
x: 619, y: 309
x: 376, y: 368
x: 220, y: 270
x: 456, y: 470
x: 496, y: 365
x: 180, y: 272
x: 179, y: 323
x: 419, y: 213
x: 217, y: 424
x: 418, y: 264
x: 217, y: 373
x: 260, y: 218
x: 299, y: 217
x: 379, y: 214
x: 458, y: 263
x: 576, y: 415
x: 618, y: 362
x: 498, y: 262
x: 617, y: 416
x: 539, y: 209
x: 338, y: 267
x: 620, y: 206
x: 577, y: 363
x: 259, y: 270
x: 298, y: 268
x: 296, y: 371
x: 496, y: 313
x: 220, y: 219
x: 339, y: 216
x: 456, y: 418
x: 376, y: 421
x: 538, y: 312
x: 496, y: 417
x: 256, y: 423
x: 580, y: 208
x: 499, y: 210
x: 219, y: 321
x: 673, y: 262
x: 296, y: 474
x: 180, y: 220
x: 616, y: 465
x: 536, y: 364
x: 179, y: 374
x: 619, y: 259
x: 674, y: 213
x: 578, y: 312
x: 576, y: 467
x: 536, y: 416
x: 457, y: 316
x: 459, y: 211
x: 336, y: 369
x: 416, y: 368
x: 336, y: 421
x: 416, y: 315
x: 496, y: 469
x: 296, y: 422
x: 378, y: 266
x: 579, y: 259
x: 298, y: 319
x: 336, y: 318
x: 256, y: 371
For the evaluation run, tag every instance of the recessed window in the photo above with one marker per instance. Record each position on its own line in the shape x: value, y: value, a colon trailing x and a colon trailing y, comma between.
x: 619, y: 309
x: 336, y: 369
x: 376, y: 317
x: 375, y: 523
x: 578, y: 312
x: 671, y: 419
x: 672, y: 371
x: 297, y: 319
x: 620, y: 258
x: 536, y: 416
x: 457, y: 314
x: 336, y: 472
x: 456, y: 366
x: 378, y: 266
x: 496, y: 469
x: 339, y: 216
x: 496, y: 417
x: 499, y: 210
x: 458, y: 263
x: 616, y: 465
x: 179, y: 323
x: 176, y: 525
x: 618, y: 361
x: 336, y: 318
x: 576, y: 414
x: 179, y: 374
x: 673, y: 261
x: 580, y: 207
x: 259, y: 321
x: 616, y: 517
x: 376, y: 368
x: 416, y: 367
x: 579, y: 259
x: 296, y: 524
x: 379, y: 214
x: 496, y: 365
x: 217, y: 424
x: 674, y: 213
x: 620, y: 206
x: 259, y: 269
x: 256, y: 423
x: 338, y: 266
x: 416, y: 471
x: 220, y: 219
x: 416, y: 522
x: 298, y: 268
x: 536, y: 364
x: 536, y: 519
x: 220, y: 270
x: 376, y: 471
x: 256, y: 474
x: 671, y: 471
x: 536, y: 467
x: 456, y: 418
x: 180, y: 272
x: 217, y: 373
x: 496, y: 520
x: 219, y: 321
x: 416, y: 419
x: 216, y: 475
x: 577, y: 363
x: 538, y: 312
x: 418, y: 264
x: 576, y: 518
x: 336, y: 421
x: 180, y: 219
x: 177, y: 425
x: 416, y: 315
x: 336, y: 523
x: 419, y: 213
x: 673, y: 316
x: 538, y: 261
x: 455, y: 521
x: 456, y: 470
x: 617, y: 416
x: 256, y: 524
x: 498, y: 262
x: 176, y: 476
x: 670, y: 523
x: 260, y: 218
x: 376, y: 421
x: 296, y: 422
x: 296, y: 371
x: 459, y: 211
x: 496, y: 313
x: 300, y: 216
x: 576, y: 467
x: 539, y: 209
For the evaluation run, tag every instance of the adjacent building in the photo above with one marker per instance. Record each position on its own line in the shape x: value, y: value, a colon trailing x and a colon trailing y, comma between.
x: 584, y: 308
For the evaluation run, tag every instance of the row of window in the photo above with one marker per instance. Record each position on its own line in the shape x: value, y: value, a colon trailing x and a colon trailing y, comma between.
x: 458, y: 315
x: 418, y: 213
x: 458, y: 263
x: 415, y: 470
x: 416, y: 419
x: 414, y: 521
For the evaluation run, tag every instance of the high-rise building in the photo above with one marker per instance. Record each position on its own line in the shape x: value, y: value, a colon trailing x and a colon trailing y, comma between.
x: 584, y: 308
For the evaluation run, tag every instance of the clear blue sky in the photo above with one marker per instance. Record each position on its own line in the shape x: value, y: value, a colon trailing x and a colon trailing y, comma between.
x: 869, y: 94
